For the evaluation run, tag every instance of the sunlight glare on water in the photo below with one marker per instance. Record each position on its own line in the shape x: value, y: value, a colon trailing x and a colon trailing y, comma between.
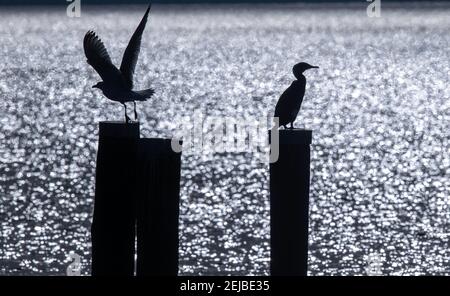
x: 379, y: 107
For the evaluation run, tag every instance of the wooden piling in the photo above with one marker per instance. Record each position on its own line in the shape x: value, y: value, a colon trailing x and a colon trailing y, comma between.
x: 158, y: 208
x: 289, y: 202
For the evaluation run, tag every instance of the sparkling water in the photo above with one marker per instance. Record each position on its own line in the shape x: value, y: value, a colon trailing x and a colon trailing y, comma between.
x: 379, y: 106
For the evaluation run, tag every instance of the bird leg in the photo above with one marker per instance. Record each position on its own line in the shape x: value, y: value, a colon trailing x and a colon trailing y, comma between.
x: 135, y: 113
x: 292, y: 125
x: 127, y: 119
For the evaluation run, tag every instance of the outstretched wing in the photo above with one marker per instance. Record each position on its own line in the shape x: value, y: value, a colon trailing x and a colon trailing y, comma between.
x: 131, y: 54
x: 98, y: 57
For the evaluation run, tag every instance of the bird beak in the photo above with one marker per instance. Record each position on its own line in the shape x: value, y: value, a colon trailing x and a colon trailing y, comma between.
x: 95, y: 86
x: 314, y: 67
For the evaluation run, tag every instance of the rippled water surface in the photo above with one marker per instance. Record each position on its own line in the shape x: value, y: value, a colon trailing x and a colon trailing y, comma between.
x: 379, y: 107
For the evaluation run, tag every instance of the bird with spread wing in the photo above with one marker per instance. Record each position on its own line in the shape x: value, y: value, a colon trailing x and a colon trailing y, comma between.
x: 117, y: 84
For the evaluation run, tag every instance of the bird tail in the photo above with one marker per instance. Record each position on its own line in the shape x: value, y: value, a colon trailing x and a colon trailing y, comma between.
x: 143, y: 95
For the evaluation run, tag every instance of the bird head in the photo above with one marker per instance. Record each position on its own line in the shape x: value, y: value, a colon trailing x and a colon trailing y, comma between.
x: 299, y: 68
x: 98, y: 85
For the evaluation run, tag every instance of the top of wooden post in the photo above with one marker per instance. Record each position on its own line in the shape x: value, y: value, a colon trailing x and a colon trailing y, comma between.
x: 157, y: 145
x: 119, y: 129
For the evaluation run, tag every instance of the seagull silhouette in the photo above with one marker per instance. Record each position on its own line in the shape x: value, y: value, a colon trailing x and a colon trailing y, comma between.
x: 117, y: 85
x: 291, y: 100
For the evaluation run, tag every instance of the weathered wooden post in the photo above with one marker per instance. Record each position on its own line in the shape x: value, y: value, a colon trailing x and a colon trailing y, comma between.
x: 113, y: 226
x: 158, y: 207
x: 289, y: 202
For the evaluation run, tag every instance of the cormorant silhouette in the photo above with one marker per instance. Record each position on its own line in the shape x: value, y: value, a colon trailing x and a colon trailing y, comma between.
x: 291, y: 100
x: 117, y: 84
